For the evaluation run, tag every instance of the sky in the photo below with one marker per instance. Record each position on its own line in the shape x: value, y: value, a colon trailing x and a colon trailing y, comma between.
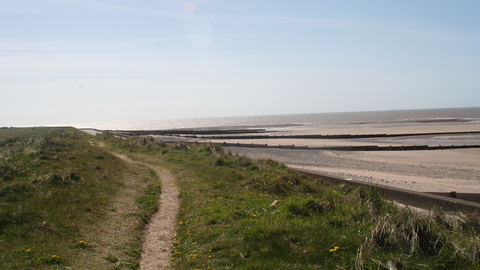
x: 81, y: 61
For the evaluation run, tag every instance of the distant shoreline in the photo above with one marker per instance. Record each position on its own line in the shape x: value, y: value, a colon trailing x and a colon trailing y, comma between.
x: 294, y: 121
x: 426, y: 171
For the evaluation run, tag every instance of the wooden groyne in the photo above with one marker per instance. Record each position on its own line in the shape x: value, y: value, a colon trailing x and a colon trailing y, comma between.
x: 233, y: 134
x: 351, y: 148
x: 329, y: 136
x: 334, y: 148
x: 205, y: 135
x: 185, y: 132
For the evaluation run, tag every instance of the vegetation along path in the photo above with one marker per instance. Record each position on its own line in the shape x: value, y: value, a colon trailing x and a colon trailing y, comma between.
x: 160, y: 230
x: 238, y: 213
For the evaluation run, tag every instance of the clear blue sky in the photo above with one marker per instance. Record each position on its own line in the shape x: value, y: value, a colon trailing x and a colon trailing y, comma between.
x: 77, y: 61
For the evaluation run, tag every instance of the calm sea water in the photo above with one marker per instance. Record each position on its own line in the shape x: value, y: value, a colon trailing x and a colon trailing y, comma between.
x: 318, y: 119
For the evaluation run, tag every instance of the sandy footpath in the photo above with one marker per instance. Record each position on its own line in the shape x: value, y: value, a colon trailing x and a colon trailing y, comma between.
x: 160, y: 230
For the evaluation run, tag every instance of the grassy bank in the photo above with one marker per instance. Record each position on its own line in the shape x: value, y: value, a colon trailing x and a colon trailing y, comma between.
x: 67, y: 204
x: 242, y: 214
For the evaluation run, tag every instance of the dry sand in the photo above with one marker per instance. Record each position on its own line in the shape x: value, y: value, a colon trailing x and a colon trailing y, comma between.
x: 426, y: 171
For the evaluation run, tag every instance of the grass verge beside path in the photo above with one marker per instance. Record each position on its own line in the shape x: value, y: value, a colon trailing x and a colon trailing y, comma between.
x: 242, y: 214
x: 67, y: 204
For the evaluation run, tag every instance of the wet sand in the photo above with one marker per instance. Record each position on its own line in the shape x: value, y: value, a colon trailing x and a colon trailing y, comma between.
x: 389, y: 128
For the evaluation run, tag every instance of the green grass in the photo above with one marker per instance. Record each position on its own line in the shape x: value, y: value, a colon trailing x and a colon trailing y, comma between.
x: 227, y: 221
x: 66, y: 204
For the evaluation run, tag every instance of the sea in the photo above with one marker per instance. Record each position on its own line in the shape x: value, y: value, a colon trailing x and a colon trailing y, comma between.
x: 447, y: 115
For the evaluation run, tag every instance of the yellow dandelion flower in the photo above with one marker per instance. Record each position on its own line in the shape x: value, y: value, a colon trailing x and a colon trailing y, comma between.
x: 81, y: 242
x: 334, y: 249
x: 28, y: 250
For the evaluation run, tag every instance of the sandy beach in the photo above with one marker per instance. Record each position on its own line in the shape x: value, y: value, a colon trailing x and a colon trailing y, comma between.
x: 425, y: 171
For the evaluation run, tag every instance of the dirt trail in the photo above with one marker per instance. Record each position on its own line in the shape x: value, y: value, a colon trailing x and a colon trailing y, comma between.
x: 161, y: 227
